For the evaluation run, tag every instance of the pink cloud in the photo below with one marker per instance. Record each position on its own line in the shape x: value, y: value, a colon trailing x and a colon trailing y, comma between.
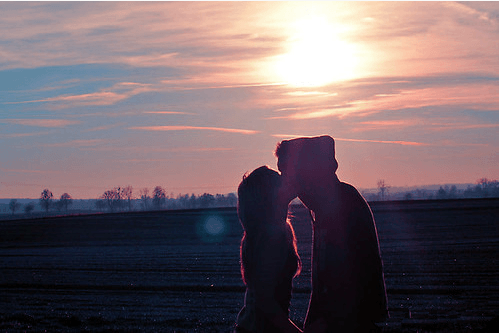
x: 24, y: 171
x: 188, y: 128
x: 398, y: 142
x: 476, y: 96
x: 41, y: 122
x: 76, y: 143
x: 166, y: 112
x: 22, y: 135
x: 108, y: 96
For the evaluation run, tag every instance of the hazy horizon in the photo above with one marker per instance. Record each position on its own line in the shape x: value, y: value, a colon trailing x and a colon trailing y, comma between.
x: 191, y: 95
x: 136, y: 194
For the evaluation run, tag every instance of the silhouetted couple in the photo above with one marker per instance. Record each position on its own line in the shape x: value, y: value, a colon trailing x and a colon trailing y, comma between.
x: 348, y: 288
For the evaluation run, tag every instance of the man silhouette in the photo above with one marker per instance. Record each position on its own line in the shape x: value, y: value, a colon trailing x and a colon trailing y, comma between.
x: 348, y: 288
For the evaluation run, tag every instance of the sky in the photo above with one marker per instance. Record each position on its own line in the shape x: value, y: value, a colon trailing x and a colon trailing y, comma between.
x: 191, y: 95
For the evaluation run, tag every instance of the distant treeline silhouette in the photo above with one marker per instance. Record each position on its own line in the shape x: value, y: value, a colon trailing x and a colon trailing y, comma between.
x: 125, y: 199
x: 484, y: 188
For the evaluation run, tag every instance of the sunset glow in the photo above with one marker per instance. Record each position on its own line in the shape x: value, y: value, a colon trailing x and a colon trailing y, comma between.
x: 192, y: 95
x: 316, y: 56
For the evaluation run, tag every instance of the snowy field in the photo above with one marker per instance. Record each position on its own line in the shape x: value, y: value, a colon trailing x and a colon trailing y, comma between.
x: 178, y: 271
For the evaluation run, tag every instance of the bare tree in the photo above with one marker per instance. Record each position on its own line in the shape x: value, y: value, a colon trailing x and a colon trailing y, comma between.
x: 144, y: 196
x: 29, y: 208
x: 100, y: 204
x: 206, y: 200
x: 66, y: 200
x: 158, y: 197
x: 46, y: 199
x: 14, y: 205
x: 382, y: 189
x: 128, y: 195
x: 112, y: 198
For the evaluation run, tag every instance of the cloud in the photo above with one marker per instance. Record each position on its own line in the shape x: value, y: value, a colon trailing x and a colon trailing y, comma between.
x: 104, y: 127
x: 483, y: 96
x: 41, y: 122
x: 76, y: 143
x: 397, y: 142
x: 189, y: 128
x: 428, y: 124
x: 24, y: 171
x: 107, y: 96
x: 22, y: 135
x: 166, y: 112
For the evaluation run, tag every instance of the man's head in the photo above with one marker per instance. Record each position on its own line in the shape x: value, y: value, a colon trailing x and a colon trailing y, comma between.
x: 306, y: 161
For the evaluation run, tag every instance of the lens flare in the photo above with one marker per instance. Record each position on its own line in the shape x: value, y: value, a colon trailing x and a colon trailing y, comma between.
x: 211, y: 229
x: 214, y: 226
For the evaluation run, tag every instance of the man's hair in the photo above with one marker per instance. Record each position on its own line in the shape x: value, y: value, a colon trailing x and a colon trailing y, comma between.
x: 307, y: 153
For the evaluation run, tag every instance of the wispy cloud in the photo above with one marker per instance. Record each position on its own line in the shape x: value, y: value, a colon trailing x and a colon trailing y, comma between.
x: 22, y: 135
x: 483, y: 97
x: 397, y: 142
x: 108, y: 96
x: 24, y: 171
x: 196, y: 128
x: 430, y: 124
x: 41, y: 122
x: 166, y: 112
x: 443, y: 143
x: 76, y: 143
x: 104, y: 127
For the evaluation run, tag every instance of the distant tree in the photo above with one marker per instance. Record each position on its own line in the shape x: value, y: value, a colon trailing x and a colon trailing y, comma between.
x: 46, y: 199
x: 484, y: 188
x: 382, y: 189
x: 100, y: 204
x: 452, y: 194
x: 232, y: 199
x: 421, y: 194
x: 128, y: 195
x: 441, y: 193
x: 14, y: 205
x: 65, y: 201
x: 112, y: 198
x: 408, y: 196
x: 206, y: 200
x: 193, y: 201
x: 183, y: 201
x: 158, y: 197
x: 144, y: 196
x: 57, y: 205
x: 29, y: 208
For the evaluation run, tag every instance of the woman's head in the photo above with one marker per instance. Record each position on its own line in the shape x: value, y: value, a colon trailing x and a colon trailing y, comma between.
x: 263, y: 201
x: 260, y: 197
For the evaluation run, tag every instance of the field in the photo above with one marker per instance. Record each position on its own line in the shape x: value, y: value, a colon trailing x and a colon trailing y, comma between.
x: 178, y: 271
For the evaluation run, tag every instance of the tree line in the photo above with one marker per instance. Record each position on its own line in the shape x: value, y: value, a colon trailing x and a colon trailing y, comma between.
x: 123, y: 198
x: 483, y: 188
x: 46, y: 201
x: 126, y: 199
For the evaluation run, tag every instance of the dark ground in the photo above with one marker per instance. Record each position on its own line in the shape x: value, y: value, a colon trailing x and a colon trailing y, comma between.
x: 164, y: 271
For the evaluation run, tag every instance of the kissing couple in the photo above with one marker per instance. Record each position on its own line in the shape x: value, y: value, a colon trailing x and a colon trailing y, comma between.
x: 348, y: 287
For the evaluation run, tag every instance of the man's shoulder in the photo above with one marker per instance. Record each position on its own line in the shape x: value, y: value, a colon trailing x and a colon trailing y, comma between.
x: 348, y: 189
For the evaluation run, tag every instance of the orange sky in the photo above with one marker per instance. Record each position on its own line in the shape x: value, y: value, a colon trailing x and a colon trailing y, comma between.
x: 191, y: 95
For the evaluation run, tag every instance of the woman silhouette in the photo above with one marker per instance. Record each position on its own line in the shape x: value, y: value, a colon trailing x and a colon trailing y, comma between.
x: 269, y: 259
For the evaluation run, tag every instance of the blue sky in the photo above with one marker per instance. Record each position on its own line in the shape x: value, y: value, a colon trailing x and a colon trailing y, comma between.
x: 190, y: 96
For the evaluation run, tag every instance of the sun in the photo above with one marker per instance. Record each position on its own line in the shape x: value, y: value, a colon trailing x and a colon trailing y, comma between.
x: 316, y: 56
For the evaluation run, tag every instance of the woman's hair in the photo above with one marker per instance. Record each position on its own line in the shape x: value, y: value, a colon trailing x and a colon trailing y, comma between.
x: 258, y: 209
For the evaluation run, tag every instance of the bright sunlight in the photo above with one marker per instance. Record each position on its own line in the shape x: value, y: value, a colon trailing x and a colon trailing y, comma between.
x: 316, y: 56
